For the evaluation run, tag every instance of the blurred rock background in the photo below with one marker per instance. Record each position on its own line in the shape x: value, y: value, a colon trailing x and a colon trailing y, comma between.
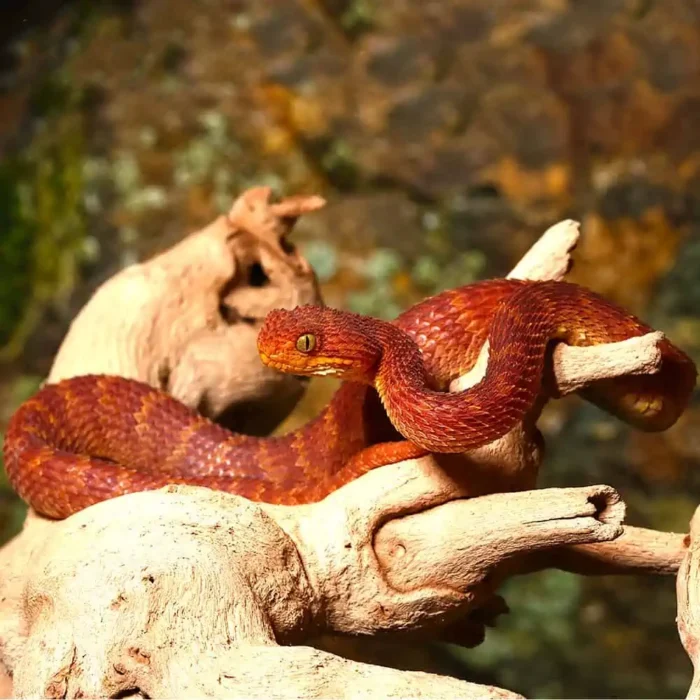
x: 447, y: 135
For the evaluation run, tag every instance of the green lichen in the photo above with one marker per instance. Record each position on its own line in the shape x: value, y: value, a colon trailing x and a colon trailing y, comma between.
x: 43, y: 224
x: 15, y: 252
x: 378, y: 301
x: 339, y: 165
x: 379, y: 297
x: 435, y: 276
x: 676, y: 303
x: 211, y: 157
x: 430, y: 273
x: 12, y: 514
x: 359, y: 17
x: 135, y: 195
x: 323, y: 257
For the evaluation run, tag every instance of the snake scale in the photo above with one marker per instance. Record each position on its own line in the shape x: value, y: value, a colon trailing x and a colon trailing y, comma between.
x: 91, y: 438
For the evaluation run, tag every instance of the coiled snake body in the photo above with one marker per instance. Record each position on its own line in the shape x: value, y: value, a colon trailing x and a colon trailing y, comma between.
x: 91, y: 438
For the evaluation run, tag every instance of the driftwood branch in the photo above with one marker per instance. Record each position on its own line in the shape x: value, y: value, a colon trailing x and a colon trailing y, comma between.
x: 512, y: 462
x: 636, y: 551
x: 550, y: 257
x: 574, y: 367
x: 186, y: 591
x: 232, y: 576
x: 305, y: 672
x: 187, y: 320
x: 688, y: 592
x: 420, y: 556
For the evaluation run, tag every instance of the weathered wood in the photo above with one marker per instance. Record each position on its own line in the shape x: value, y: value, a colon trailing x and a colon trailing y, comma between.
x: 187, y: 320
x: 688, y: 592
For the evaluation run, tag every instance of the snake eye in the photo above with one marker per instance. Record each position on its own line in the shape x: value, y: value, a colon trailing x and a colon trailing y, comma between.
x: 306, y: 342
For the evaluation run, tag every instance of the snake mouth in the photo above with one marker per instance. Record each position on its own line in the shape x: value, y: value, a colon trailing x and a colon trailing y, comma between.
x: 273, y: 362
x: 307, y: 366
x: 278, y: 362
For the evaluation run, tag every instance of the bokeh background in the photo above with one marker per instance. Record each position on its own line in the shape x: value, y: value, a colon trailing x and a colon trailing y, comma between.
x: 446, y: 135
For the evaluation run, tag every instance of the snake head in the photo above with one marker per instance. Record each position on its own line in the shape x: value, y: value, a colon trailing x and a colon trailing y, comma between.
x: 319, y: 341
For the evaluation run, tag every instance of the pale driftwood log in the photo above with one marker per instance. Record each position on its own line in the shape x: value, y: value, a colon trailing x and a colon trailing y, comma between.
x: 188, y: 592
x: 231, y: 576
x: 688, y: 592
x: 550, y: 257
x: 573, y: 365
x: 513, y: 461
x: 187, y: 320
x: 637, y: 551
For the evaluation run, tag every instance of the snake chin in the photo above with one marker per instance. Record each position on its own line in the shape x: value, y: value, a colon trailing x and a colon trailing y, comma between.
x: 329, y: 372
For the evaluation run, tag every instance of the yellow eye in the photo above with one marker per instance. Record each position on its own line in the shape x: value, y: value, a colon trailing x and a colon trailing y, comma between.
x: 306, y: 342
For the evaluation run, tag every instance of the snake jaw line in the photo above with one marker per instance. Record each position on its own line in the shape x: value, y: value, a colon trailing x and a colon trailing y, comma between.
x: 308, y: 367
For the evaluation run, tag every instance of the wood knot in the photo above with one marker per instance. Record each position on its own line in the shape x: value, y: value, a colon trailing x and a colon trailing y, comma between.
x: 139, y: 655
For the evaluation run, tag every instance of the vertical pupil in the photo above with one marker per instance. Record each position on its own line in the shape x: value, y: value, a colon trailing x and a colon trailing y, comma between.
x: 306, y: 342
